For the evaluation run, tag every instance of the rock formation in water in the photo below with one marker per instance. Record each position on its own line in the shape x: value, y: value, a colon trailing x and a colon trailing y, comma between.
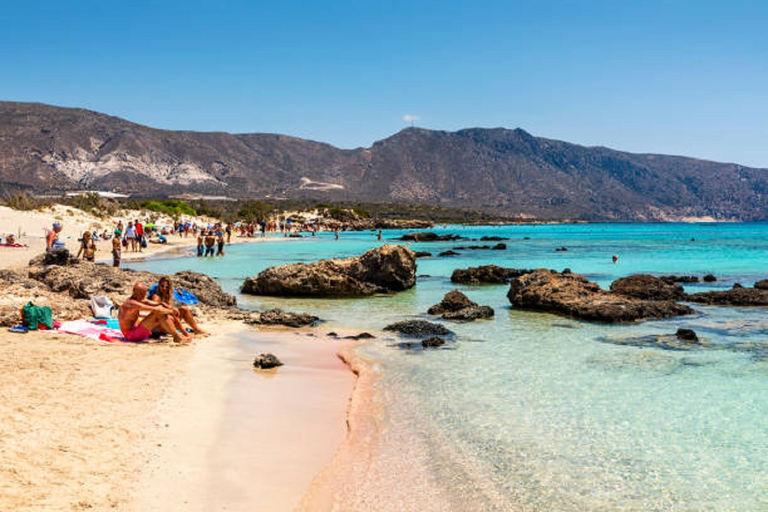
x: 486, y: 274
x: 385, y: 269
x: 457, y: 306
x: 573, y: 295
x: 644, y: 286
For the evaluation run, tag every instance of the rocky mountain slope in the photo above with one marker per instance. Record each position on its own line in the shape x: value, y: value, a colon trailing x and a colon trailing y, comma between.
x: 48, y: 149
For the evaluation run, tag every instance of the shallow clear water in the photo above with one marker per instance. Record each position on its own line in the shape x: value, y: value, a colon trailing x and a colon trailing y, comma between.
x: 549, y: 413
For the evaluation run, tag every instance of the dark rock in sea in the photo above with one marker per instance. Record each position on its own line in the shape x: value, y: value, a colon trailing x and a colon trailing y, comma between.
x: 361, y: 336
x: 687, y: 335
x: 385, y: 269
x: 422, y: 254
x: 487, y: 274
x: 499, y: 247
x: 762, y: 284
x: 432, y: 342
x: 448, y: 253
x: 573, y: 295
x: 561, y: 249
x: 279, y: 317
x: 472, y: 248
x: 644, y: 286
x: 418, y: 328
x: 709, y: 278
x: 492, y: 239
x: 680, y: 279
x: 736, y: 286
x: 428, y: 236
x: 456, y: 306
x: 266, y: 361
x: 452, y: 301
x: 732, y: 297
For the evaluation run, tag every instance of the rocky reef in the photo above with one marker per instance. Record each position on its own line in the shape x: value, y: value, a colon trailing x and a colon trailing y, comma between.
x: 385, y: 269
x: 570, y: 294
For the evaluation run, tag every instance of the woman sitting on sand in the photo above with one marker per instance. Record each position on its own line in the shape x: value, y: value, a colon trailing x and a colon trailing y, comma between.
x: 164, y: 295
x: 87, y: 247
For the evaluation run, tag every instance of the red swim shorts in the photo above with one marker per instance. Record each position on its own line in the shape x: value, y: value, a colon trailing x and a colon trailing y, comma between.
x: 138, y: 333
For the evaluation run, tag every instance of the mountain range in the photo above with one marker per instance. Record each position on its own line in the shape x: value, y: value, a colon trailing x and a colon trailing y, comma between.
x: 46, y: 149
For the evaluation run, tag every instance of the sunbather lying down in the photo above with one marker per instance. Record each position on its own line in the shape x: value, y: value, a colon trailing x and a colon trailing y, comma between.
x: 10, y: 241
x: 160, y: 318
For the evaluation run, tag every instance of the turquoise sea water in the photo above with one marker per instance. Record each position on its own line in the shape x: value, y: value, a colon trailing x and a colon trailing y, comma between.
x: 540, y: 412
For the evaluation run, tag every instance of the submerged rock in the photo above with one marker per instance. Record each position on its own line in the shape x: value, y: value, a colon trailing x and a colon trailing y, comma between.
x: 389, y: 268
x: 573, y: 295
x: 432, y: 342
x: 418, y: 328
x: 266, y: 361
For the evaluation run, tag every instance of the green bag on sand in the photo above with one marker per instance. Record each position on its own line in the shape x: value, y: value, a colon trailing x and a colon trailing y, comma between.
x: 34, y: 315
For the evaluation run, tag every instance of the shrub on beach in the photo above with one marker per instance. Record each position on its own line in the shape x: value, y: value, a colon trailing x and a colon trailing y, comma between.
x: 172, y: 207
x: 25, y: 202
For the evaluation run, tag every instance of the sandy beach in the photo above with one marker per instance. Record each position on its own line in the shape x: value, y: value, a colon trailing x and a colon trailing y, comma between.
x: 97, y: 426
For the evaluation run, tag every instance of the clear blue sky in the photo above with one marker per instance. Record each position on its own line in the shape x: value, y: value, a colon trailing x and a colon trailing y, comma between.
x: 676, y: 77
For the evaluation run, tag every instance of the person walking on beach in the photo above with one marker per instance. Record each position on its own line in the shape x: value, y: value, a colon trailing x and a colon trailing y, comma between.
x: 116, y: 248
x: 160, y: 318
x: 139, y: 233
x: 130, y: 235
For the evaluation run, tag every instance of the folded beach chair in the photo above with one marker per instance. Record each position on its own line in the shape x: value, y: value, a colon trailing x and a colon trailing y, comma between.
x: 101, y: 306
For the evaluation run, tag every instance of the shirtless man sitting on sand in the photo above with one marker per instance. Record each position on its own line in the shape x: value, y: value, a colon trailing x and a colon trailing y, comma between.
x: 159, y: 318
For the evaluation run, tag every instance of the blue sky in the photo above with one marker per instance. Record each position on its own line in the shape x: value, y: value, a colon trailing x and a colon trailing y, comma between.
x: 675, y: 77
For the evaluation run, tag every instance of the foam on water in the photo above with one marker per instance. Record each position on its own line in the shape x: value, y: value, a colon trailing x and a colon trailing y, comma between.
x: 540, y: 412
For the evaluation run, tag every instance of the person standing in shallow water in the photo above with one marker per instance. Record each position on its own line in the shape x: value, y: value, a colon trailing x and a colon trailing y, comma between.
x: 116, y: 248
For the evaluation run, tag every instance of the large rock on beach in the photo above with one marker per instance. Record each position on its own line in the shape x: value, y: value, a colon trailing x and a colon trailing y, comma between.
x: 266, y: 362
x: 385, y: 269
x: 418, y: 328
x: 486, y: 274
x: 457, y: 306
x: 644, y: 286
x: 573, y: 295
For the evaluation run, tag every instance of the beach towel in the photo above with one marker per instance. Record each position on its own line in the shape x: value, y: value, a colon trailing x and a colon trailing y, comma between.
x: 179, y: 295
x: 95, y: 331
x: 101, y: 306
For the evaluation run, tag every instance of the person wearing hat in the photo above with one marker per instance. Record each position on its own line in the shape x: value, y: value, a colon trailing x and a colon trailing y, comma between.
x: 52, y: 237
x: 116, y: 246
